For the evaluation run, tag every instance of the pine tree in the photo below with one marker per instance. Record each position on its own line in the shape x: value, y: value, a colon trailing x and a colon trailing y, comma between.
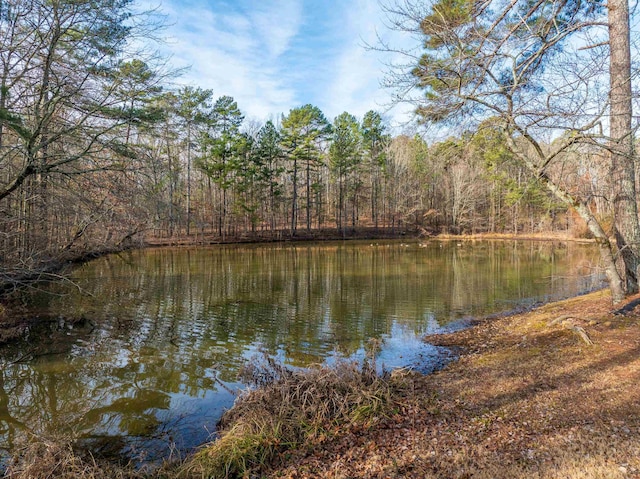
x: 530, y: 65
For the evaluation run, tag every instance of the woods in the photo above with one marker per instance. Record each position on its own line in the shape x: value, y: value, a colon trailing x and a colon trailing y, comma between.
x: 537, y: 71
x: 71, y: 102
x: 521, y: 122
x: 99, y: 150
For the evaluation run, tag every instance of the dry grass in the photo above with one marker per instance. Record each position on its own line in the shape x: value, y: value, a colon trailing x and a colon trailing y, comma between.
x: 527, y: 399
x: 295, y: 409
x: 56, y: 459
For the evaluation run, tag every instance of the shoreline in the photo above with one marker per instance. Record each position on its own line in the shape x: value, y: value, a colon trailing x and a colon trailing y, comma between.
x: 525, y: 397
x: 557, y: 236
x: 14, y: 320
x: 475, y: 345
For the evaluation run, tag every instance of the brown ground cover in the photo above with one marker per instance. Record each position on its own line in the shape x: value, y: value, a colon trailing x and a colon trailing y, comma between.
x: 528, y: 398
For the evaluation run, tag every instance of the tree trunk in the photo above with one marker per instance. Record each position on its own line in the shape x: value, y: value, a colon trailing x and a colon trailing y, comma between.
x: 308, y: 195
x: 602, y: 239
x: 294, y: 199
x: 188, y: 179
x: 600, y: 236
x: 627, y: 228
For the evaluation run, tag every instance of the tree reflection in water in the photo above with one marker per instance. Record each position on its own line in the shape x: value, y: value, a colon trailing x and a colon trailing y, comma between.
x: 145, y: 354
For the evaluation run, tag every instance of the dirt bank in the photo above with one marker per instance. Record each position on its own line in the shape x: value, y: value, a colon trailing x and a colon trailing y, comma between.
x: 528, y: 398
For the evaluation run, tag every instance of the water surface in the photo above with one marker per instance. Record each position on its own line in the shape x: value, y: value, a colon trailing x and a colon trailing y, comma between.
x: 143, y: 349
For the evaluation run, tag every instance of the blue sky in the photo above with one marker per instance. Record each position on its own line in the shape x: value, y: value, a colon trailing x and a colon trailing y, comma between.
x: 274, y: 55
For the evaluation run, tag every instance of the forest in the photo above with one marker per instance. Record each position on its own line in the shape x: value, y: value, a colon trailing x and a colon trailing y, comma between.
x: 100, y: 150
x: 523, y: 123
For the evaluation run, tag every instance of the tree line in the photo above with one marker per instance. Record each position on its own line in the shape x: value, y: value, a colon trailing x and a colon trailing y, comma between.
x: 556, y: 79
x: 98, y: 151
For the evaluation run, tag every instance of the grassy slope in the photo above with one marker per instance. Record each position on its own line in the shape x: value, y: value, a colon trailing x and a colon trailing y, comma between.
x: 528, y: 398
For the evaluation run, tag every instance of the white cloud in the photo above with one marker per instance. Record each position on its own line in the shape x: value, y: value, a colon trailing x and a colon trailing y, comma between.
x: 360, y: 70
x: 277, y: 23
x: 235, y: 53
x: 273, y: 55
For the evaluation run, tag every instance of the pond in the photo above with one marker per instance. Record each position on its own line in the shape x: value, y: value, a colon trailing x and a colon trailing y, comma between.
x: 140, y: 351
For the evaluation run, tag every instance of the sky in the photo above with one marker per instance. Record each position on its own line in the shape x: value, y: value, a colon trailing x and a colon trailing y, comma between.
x: 275, y: 55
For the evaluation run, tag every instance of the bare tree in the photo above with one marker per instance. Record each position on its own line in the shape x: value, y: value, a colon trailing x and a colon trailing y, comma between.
x: 64, y: 117
x: 513, y: 61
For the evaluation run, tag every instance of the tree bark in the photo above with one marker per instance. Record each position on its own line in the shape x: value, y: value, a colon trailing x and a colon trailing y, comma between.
x: 308, y: 194
x: 627, y: 227
x: 294, y: 199
x: 582, y: 208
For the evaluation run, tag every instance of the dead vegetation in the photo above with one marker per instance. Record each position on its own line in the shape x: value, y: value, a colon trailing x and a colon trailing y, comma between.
x: 296, y: 410
x: 55, y: 459
x: 12, y: 327
x: 528, y: 398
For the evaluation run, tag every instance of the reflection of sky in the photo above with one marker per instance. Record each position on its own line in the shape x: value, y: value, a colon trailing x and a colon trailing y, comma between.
x: 171, y: 328
x: 401, y: 348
